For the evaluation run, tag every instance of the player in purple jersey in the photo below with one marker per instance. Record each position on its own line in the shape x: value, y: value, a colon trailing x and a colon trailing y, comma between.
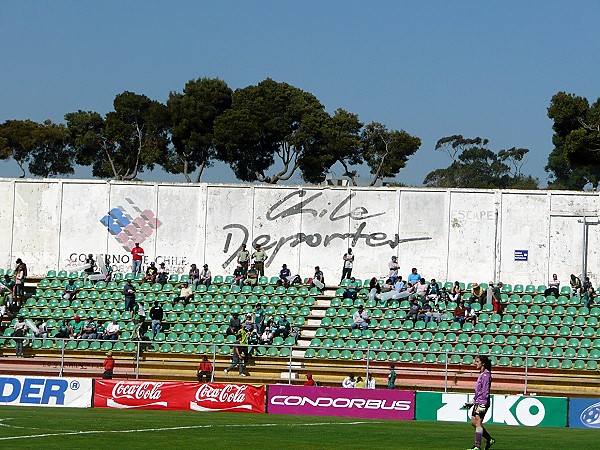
x: 481, y: 402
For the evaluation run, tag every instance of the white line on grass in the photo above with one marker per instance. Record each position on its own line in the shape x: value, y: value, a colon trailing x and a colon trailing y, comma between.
x: 190, y: 427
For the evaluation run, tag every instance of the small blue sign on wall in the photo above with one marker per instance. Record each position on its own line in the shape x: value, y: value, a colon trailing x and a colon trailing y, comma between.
x: 521, y: 255
x: 584, y: 412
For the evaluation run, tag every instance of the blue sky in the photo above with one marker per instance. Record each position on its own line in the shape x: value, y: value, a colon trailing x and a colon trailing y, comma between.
x: 432, y: 68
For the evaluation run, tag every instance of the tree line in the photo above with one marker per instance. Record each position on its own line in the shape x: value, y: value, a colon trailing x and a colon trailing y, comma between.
x: 270, y: 131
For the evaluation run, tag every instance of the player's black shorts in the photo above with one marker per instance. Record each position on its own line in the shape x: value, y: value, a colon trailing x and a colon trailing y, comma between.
x: 479, y: 410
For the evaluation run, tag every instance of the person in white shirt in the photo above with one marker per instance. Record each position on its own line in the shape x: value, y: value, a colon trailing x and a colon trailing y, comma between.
x: 112, y: 331
x: 348, y: 265
x: 393, y: 266
x: 205, y: 276
x: 553, y: 286
x: 370, y: 381
x: 360, y: 318
x: 349, y: 381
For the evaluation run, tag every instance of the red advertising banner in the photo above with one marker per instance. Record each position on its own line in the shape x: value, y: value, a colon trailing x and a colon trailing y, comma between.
x: 178, y: 395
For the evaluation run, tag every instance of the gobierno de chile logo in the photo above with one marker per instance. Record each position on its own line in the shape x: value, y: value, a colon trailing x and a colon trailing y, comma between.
x: 130, y: 227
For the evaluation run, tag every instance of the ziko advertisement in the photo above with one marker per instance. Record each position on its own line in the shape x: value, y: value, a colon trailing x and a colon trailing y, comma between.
x: 322, y: 401
x: 504, y: 409
x: 178, y: 395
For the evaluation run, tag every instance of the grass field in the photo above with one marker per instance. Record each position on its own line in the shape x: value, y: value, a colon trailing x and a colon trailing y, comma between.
x: 53, y: 428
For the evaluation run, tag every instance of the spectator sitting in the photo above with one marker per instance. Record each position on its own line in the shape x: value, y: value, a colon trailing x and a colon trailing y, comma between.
x: 436, y: 314
x: 414, y: 277
x: 239, y: 275
x: 309, y: 380
x: 234, y: 324
x: 444, y: 297
x: 283, y: 327
x: 350, y: 291
x: 478, y: 294
x: 400, y: 285
x: 70, y: 290
x: 349, y: 382
x: 163, y: 274
x: 249, y: 323
x: 89, y: 329
x: 151, y: 273
x: 433, y: 291
x: 205, y: 369
x: 109, y: 269
x: 42, y: 330
x: 388, y: 286
x: 421, y: 289
x: 553, y: 286
x: 414, y: 309
x: 425, y: 312
x: 284, y: 275
x: 360, y: 318
x: 253, y: 341
x: 186, y: 294
x: 112, y: 331
x: 252, y: 276
x: 75, y: 327
x: 470, y: 315
x: 205, y: 276
x: 193, y: 275
x: 359, y: 383
x: 318, y: 278
x: 63, y: 331
x: 90, y: 270
x: 455, y: 293
x: 100, y: 330
x: 374, y: 289
x: 267, y: 335
x: 459, y: 313
x: 586, y: 283
x: 575, y: 283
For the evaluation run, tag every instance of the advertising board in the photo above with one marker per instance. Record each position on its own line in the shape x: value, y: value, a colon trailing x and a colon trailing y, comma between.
x: 44, y: 391
x: 584, y: 412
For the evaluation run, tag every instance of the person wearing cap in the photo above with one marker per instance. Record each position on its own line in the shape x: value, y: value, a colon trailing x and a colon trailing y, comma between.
x: 239, y: 275
x: 393, y: 266
x: 470, y: 315
x: 151, y: 273
x: 243, y: 257
x: 309, y: 380
x: 205, y: 276
x: 194, y: 275
x: 109, y: 366
x: 259, y: 257
x: 252, y: 275
x: 284, y: 275
x: 137, y: 253
x: 76, y: 327
x: 163, y: 273
x: 478, y: 294
x: 360, y: 318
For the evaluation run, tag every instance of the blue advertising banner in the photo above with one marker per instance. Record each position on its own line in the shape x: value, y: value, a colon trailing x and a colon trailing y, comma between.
x: 584, y: 412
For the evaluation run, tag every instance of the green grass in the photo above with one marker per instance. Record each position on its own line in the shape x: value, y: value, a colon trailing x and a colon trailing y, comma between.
x: 256, y: 431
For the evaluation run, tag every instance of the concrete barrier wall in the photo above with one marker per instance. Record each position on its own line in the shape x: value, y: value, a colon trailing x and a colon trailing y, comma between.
x: 447, y: 234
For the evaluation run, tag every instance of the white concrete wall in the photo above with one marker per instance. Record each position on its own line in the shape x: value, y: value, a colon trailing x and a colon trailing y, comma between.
x: 458, y: 234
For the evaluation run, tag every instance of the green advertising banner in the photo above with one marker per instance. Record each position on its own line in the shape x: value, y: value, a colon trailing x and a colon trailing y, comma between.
x: 505, y: 409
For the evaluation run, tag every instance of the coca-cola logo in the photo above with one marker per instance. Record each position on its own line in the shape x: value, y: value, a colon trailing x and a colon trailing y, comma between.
x: 230, y: 393
x: 142, y: 391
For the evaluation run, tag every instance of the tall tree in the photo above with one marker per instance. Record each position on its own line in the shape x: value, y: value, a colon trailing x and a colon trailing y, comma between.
x: 474, y: 165
x: 41, y: 148
x: 386, y: 152
x: 271, y: 124
x: 131, y: 139
x: 575, y: 160
x: 192, y: 117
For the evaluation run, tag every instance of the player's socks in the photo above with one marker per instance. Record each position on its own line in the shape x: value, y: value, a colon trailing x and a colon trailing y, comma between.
x: 478, y: 436
x: 486, y: 435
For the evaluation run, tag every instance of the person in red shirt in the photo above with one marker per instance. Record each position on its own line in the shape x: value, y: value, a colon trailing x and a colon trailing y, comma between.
x: 137, y: 253
x: 205, y: 368
x: 109, y: 366
x: 309, y: 380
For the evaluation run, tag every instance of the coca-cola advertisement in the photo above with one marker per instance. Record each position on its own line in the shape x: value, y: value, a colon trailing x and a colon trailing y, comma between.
x: 179, y: 395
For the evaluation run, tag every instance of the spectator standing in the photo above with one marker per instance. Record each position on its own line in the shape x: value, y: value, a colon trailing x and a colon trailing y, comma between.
x: 205, y: 369
x: 20, y: 276
x: 92, y: 266
x: 259, y: 257
x: 129, y: 295
x: 6, y: 294
x: 391, y: 379
x: 156, y: 316
x: 109, y: 366
x: 238, y: 358
x: 19, y: 335
x: 137, y: 253
x: 194, y: 275
x: 393, y: 267
x: 348, y: 265
x: 243, y: 257
x: 259, y: 318
x: 497, y: 298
